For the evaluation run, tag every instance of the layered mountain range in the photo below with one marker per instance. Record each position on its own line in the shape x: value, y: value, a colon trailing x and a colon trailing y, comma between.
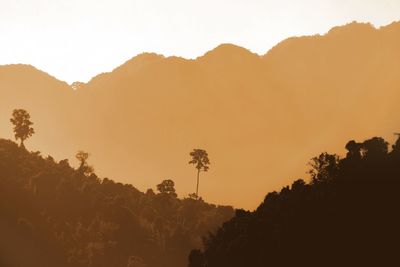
x: 260, y: 117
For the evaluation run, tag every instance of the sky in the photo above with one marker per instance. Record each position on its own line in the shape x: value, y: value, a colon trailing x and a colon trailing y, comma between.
x: 75, y: 40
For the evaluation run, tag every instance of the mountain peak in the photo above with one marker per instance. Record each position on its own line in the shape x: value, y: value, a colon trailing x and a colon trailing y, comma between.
x: 15, y: 71
x: 228, y: 50
x: 347, y: 32
x: 132, y: 65
x: 352, y: 27
x: 146, y: 56
x: 20, y: 67
x: 141, y: 60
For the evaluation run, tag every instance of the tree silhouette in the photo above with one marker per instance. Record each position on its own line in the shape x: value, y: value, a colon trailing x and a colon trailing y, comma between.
x: 374, y: 147
x: 167, y: 187
x: 84, y: 167
x: 396, y: 146
x: 345, y: 215
x: 200, y: 160
x: 354, y: 150
x: 323, y: 167
x: 22, y: 125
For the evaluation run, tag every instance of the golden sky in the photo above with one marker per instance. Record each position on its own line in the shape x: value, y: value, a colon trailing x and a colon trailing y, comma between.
x: 77, y: 39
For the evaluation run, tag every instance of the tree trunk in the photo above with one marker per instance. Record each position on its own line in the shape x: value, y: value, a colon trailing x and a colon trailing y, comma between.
x: 197, y: 187
x: 21, y: 145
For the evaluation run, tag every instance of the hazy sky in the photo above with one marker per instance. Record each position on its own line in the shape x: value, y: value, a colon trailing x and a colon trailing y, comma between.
x: 77, y: 39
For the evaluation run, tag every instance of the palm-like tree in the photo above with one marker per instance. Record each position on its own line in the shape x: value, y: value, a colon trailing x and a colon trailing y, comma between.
x: 201, y: 162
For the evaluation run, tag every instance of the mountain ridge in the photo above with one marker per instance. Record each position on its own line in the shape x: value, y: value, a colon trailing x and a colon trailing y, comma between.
x: 140, y: 121
x: 223, y: 47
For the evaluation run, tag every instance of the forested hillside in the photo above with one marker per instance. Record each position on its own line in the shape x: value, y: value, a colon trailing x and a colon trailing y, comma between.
x: 54, y: 215
x: 348, y: 215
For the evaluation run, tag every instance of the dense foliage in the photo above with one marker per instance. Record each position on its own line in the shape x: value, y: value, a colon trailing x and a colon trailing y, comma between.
x: 348, y: 215
x: 54, y: 215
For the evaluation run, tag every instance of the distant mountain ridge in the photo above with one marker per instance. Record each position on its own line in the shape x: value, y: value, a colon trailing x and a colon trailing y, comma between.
x: 232, y: 49
x: 251, y: 112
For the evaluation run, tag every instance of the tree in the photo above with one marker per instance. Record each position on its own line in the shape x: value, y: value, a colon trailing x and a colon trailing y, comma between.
x: 22, y: 125
x: 374, y: 147
x: 200, y: 160
x: 354, y: 150
x: 84, y: 167
x: 167, y: 187
x: 323, y: 167
x: 396, y: 146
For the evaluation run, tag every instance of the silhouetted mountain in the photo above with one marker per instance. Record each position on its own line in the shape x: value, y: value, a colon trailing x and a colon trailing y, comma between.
x: 231, y: 54
x: 54, y: 215
x: 346, y: 216
x: 251, y: 112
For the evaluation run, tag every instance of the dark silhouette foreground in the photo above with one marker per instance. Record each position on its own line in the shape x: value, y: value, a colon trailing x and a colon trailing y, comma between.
x: 348, y: 215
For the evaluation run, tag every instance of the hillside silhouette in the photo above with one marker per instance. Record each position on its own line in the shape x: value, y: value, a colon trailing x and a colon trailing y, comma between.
x: 56, y: 215
x: 240, y: 106
x: 346, y: 216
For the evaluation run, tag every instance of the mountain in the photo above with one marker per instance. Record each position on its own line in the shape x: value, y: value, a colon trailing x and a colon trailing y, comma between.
x: 346, y: 216
x: 254, y: 114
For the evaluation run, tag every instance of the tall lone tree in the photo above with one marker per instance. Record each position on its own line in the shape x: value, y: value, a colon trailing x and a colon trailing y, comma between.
x: 201, y: 162
x: 22, y: 125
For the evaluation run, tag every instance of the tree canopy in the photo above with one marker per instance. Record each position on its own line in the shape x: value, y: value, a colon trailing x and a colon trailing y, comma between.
x: 22, y: 125
x: 167, y: 187
x: 200, y: 159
